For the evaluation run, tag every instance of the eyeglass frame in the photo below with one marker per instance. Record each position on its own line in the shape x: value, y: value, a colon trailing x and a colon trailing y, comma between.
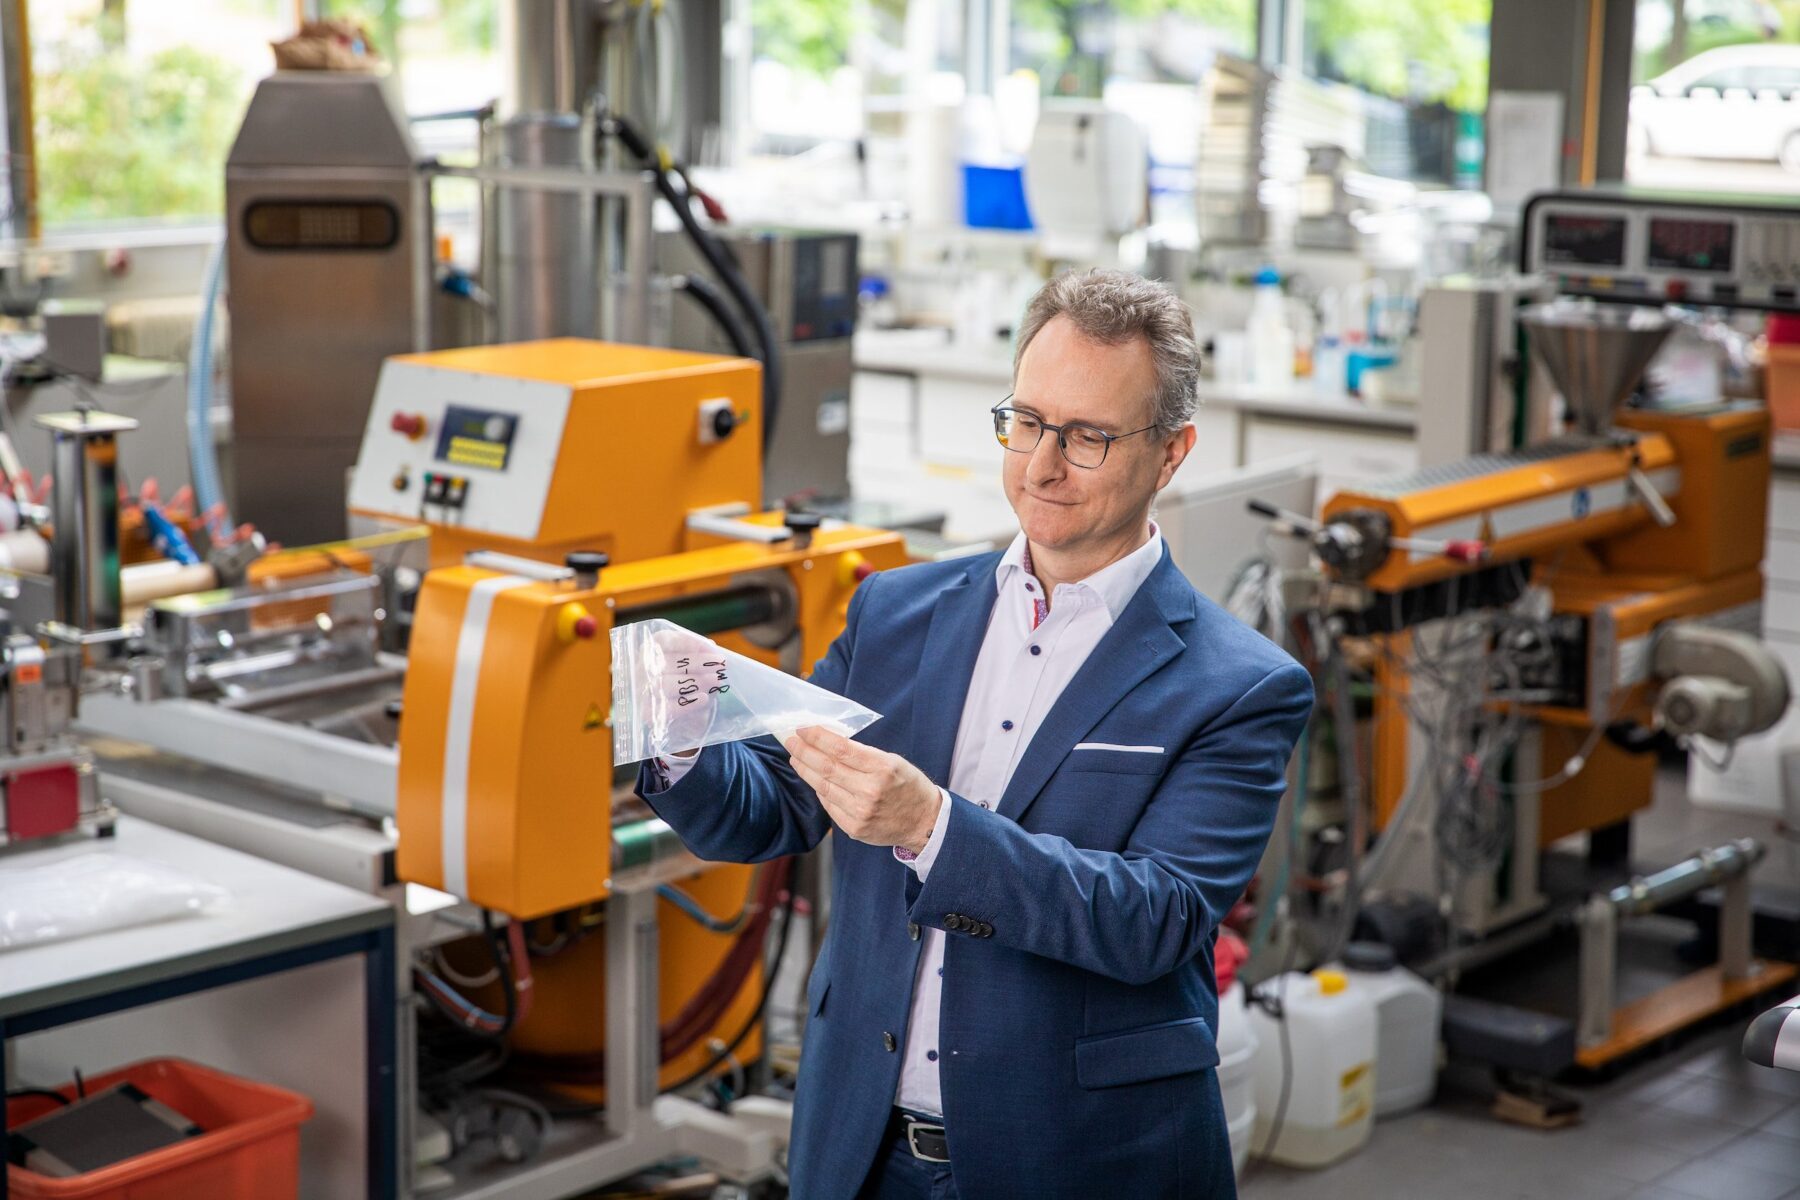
x: 1062, y: 441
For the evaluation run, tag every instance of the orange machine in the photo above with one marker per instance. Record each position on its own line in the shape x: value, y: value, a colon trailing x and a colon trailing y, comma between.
x: 571, y: 486
x: 1574, y: 515
x: 1539, y: 621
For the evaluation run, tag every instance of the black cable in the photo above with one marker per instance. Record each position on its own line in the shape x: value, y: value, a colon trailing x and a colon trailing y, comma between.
x: 1277, y: 1008
x: 716, y: 258
x: 713, y: 301
x: 762, y: 1002
x: 719, y: 1056
x: 40, y: 1093
x: 503, y: 960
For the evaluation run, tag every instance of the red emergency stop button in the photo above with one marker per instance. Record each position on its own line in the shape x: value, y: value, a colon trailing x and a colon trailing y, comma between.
x: 410, y: 425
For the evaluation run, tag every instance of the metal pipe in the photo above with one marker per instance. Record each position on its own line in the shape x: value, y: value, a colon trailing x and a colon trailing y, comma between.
x: 711, y: 612
x: 84, y: 553
x: 1647, y: 893
x: 306, y: 689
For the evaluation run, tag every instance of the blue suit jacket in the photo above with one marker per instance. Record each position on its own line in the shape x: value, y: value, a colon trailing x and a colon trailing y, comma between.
x: 1077, y: 1047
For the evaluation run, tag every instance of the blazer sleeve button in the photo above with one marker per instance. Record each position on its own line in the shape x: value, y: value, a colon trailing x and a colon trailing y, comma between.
x: 888, y: 1043
x: 912, y: 930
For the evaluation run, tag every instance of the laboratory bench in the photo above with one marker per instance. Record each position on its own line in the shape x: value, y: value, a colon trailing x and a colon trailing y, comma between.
x: 276, y: 927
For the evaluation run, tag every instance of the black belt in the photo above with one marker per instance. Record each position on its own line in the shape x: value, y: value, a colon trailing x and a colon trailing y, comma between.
x: 923, y: 1135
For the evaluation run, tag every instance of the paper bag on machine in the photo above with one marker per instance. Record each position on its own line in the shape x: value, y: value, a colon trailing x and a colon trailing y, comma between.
x: 674, y: 690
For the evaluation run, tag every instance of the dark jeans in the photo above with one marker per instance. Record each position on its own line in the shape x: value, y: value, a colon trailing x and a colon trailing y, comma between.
x: 897, y: 1175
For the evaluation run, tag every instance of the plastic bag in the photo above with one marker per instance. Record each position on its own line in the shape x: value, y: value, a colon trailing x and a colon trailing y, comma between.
x: 675, y: 690
x: 94, y: 893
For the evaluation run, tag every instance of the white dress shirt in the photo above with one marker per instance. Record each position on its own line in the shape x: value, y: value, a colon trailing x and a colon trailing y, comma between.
x: 1027, y: 658
x: 1024, y: 665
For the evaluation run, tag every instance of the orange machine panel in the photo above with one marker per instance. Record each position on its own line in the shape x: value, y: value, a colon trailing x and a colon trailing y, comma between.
x: 1519, y: 506
x: 505, y: 744
x: 1721, y: 513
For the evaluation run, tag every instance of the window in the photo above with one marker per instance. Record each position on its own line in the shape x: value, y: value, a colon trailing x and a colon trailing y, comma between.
x: 818, y: 67
x: 135, y: 103
x: 1076, y: 48
x: 1713, y: 105
x: 444, y: 53
x: 1422, y: 64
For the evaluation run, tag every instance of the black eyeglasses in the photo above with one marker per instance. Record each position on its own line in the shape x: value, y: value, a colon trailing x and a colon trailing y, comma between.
x: 1082, y: 445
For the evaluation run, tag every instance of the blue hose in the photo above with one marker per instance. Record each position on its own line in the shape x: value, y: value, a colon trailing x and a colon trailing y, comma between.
x: 202, y: 456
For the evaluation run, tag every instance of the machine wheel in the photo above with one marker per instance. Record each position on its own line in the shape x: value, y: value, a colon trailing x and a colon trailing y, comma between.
x: 1790, y: 152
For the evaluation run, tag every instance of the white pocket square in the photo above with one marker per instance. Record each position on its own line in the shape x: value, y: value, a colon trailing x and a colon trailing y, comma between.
x: 1121, y: 749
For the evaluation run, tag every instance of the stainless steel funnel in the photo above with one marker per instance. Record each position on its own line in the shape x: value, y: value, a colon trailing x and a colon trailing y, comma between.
x: 1595, y: 353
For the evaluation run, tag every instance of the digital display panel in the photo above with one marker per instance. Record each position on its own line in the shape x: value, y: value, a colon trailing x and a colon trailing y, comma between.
x: 322, y: 225
x: 471, y: 437
x: 1683, y: 244
x: 1583, y: 240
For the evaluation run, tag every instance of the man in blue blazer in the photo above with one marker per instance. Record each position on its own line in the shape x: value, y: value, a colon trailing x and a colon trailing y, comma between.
x: 1076, y: 773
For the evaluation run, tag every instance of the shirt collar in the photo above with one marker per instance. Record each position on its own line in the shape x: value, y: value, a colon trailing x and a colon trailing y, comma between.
x: 1115, y: 584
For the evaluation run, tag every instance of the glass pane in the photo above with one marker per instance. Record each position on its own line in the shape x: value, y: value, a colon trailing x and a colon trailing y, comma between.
x: 136, y: 103
x: 1717, y: 83
x: 445, y: 53
x: 1077, y: 49
x: 814, y: 63
x: 1422, y: 66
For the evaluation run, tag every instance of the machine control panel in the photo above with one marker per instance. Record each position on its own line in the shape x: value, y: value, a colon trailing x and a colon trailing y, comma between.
x: 1650, y: 248
x: 459, y: 447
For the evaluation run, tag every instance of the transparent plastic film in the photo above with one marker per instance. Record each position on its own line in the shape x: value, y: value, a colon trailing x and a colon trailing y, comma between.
x: 94, y: 893
x: 674, y: 690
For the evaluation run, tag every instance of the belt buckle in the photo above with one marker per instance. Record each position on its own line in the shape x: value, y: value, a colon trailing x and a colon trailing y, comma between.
x: 912, y: 1141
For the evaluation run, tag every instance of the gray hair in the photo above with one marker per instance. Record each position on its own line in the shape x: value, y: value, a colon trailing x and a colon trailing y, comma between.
x: 1112, y: 307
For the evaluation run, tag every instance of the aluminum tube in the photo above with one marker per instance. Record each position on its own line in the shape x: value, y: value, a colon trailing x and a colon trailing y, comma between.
x: 1647, y: 893
x: 84, y: 555
x: 545, y: 286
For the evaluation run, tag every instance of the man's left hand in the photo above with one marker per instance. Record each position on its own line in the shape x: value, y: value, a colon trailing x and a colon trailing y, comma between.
x: 871, y: 795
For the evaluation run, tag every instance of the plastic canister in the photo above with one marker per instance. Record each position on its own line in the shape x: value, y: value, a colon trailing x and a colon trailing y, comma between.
x: 1328, y: 1060
x: 1238, y: 1050
x: 1408, y: 1012
x: 1271, y: 338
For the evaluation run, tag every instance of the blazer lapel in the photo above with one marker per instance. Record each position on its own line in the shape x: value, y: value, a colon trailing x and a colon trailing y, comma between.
x: 959, y: 625
x: 1137, y: 645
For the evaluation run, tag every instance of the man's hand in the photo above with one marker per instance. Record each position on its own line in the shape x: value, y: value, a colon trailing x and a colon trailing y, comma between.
x: 873, y: 796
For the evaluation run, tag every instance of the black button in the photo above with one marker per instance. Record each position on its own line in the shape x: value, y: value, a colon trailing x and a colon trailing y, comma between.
x: 952, y: 921
x: 912, y: 930
x: 1006, y: 725
x: 1037, y: 649
x: 986, y: 930
x: 931, y: 1056
x: 887, y: 1040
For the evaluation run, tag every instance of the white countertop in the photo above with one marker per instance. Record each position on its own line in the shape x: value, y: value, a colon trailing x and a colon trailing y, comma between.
x: 1786, y: 450
x: 271, y: 908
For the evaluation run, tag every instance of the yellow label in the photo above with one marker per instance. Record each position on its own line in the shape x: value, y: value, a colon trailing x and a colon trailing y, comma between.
x: 468, y: 452
x: 1356, y: 1094
x: 594, y: 719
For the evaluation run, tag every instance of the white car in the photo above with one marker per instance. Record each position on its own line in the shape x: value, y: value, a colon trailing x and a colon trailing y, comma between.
x: 1733, y: 102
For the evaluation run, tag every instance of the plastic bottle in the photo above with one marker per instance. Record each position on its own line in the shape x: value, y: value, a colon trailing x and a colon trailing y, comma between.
x: 1271, y: 339
x: 1238, y: 1051
x: 1408, y: 1012
x: 1328, y: 1060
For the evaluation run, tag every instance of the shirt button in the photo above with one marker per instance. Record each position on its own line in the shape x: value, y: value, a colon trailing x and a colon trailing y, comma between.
x: 1037, y: 649
x: 931, y: 1056
x: 1029, y: 588
x: 887, y: 1040
x: 1006, y: 725
x: 940, y: 972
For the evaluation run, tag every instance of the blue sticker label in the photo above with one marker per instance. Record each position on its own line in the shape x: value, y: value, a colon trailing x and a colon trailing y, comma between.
x: 1582, y: 503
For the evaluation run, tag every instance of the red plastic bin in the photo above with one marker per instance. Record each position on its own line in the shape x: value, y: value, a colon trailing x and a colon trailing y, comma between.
x: 250, y: 1150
